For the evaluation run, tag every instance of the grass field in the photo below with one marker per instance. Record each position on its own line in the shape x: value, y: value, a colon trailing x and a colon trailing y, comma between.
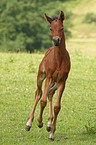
x: 17, y: 88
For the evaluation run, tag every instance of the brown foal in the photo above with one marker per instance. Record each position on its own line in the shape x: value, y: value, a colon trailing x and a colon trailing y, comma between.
x: 55, y: 67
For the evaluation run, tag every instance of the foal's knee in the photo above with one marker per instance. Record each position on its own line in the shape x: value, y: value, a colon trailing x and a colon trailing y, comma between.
x: 38, y: 94
x: 43, y: 103
x: 57, y: 109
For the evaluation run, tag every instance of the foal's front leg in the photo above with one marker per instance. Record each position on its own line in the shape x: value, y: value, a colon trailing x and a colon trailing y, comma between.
x: 43, y: 102
x: 50, y: 97
x: 50, y: 117
x: 31, y: 117
x: 38, y: 95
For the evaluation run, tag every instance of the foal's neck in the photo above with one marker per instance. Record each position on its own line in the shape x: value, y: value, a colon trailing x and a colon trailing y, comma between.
x: 59, y: 52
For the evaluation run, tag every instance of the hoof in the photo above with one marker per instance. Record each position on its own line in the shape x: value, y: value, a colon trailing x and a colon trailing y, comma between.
x: 48, y: 128
x: 27, y: 128
x: 40, y: 125
x: 50, y: 139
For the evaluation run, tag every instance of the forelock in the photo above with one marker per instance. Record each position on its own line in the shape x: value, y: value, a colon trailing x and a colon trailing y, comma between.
x: 54, y: 17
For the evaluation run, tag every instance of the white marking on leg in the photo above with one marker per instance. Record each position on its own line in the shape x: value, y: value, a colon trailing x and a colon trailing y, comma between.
x: 29, y: 123
x: 49, y: 124
x: 51, y: 136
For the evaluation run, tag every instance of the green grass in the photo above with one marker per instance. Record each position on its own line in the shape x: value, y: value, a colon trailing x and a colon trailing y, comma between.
x: 17, y: 88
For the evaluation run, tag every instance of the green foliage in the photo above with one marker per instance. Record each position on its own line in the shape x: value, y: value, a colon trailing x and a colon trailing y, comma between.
x: 23, y: 27
x: 90, y: 18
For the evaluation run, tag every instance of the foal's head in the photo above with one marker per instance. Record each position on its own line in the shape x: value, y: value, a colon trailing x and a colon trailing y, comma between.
x: 56, y: 27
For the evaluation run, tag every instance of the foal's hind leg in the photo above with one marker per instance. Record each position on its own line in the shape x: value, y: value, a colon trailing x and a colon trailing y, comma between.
x: 38, y: 95
x: 57, y: 108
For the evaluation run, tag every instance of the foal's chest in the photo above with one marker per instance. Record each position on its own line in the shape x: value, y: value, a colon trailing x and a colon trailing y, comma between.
x: 60, y: 75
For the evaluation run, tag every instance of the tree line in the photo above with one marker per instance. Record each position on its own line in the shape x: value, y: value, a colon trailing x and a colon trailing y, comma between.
x: 23, y: 27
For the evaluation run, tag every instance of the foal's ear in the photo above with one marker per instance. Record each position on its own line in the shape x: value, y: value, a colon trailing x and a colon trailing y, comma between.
x: 62, y: 16
x: 48, y: 18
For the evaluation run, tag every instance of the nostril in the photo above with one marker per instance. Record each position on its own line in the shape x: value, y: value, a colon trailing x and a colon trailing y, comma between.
x: 58, y: 39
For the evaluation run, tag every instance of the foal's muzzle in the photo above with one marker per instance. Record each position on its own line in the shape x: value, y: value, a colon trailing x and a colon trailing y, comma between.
x: 56, y: 41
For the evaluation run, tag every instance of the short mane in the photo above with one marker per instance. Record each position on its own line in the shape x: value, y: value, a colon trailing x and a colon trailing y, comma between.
x: 54, y: 17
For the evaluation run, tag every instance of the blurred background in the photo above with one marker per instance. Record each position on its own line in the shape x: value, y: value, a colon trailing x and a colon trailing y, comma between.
x: 24, y: 29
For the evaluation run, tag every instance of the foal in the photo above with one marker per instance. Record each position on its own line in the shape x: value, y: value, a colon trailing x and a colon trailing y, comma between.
x: 55, y: 67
